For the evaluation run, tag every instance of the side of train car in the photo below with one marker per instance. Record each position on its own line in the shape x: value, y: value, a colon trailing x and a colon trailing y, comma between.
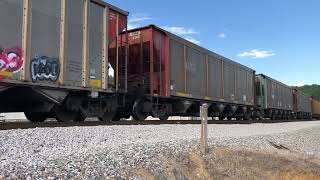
x: 62, y: 58
x: 276, y: 100
x: 315, y: 108
x: 302, y: 105
x: 170, y: 76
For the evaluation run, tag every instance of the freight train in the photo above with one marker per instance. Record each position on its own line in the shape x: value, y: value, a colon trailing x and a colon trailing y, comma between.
x: 74, y: 59
x: 174, y: 77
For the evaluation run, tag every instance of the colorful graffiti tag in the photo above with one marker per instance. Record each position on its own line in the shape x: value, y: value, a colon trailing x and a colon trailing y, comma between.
x: 11, y: 61
x: 44, y: 68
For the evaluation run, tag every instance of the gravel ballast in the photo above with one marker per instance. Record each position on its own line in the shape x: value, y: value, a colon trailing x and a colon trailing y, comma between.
x: 114, y: 151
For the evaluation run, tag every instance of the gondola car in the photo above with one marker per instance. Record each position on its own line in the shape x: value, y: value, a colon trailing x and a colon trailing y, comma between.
x: 315, y: 106
x: 302, y: 105
x: 274, y: 99
x: 56, y: 59
x: 170, y: 76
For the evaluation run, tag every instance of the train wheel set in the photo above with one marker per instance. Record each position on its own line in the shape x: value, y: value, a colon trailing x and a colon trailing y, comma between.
x: 85, y: 63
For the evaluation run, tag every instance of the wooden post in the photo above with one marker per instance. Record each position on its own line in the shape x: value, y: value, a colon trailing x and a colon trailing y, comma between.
x: 204, y: 129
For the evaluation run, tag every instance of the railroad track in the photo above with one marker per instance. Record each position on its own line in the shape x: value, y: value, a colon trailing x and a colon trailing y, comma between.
x: 28, y: 125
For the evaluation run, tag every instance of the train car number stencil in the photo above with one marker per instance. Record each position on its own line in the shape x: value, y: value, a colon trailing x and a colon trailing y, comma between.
x: 11, y: 61
x: 45, y: 68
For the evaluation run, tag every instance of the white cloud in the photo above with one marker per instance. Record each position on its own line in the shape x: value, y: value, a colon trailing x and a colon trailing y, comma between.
x: 138, y: 20
x: 132, y: 26
x: 179, y: 30
x: 193, y: 40
x: 222, y: 35
x: 257, y: 54
x: 186, y: 33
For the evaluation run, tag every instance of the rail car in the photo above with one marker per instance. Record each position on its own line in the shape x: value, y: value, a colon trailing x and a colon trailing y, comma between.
x: 62, y: 58
x: 170, y: 76
x: 302, y: 105
x: 315, y: 107
x: 274, y: 99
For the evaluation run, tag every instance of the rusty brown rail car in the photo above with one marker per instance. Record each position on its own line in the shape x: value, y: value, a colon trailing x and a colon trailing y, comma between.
x: 174, y: 76
x: 62, y: 58
x: 315, y: 105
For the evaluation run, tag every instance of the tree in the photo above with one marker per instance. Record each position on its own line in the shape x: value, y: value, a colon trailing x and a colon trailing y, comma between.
x: 313, y: 90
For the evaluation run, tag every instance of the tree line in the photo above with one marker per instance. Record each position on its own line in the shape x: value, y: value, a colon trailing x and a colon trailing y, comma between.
x: 312, y: 90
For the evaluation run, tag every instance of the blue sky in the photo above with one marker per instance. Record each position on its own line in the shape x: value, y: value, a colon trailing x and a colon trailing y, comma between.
x: 280, y: 38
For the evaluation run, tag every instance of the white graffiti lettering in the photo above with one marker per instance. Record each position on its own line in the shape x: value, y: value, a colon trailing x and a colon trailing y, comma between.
x: 45, y: 69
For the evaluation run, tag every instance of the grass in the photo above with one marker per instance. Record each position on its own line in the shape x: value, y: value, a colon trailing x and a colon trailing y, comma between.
x: 230, y: 164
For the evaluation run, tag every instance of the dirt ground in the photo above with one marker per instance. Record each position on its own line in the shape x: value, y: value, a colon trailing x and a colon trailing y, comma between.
x: 230, y: 164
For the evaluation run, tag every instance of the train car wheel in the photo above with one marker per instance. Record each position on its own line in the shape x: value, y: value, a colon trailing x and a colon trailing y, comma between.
x: 163, y: 113
x: 138, y: 113
x: 239, y: 118
x: 108, y: 116
x: 65, y: 116
x: 116, y: 118
x: 35, y: 116
x: 80, y: 118
x: 247, y: 116
x: 164, y: 117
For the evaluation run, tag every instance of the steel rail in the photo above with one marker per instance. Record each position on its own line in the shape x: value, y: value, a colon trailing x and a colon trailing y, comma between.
x: 54, y: 124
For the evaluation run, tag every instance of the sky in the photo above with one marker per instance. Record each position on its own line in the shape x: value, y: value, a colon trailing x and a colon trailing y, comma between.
x: 279, y: 38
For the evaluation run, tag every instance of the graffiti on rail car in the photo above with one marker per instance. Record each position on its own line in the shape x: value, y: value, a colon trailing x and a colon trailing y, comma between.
x: 11, y: 61
x: 45, y: 68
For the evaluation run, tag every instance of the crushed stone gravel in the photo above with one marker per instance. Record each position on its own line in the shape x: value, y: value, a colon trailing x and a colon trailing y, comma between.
x: 113, y: 151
